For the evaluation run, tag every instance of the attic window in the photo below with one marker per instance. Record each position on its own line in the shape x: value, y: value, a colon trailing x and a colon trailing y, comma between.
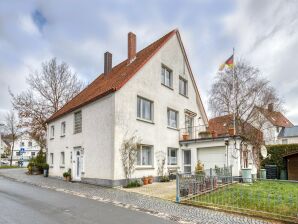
x: 273, y: 118
x: 225, y: 124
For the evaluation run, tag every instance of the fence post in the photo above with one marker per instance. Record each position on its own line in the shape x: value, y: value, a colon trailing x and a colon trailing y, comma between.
x: 211, y: 179
x: 177, y: 188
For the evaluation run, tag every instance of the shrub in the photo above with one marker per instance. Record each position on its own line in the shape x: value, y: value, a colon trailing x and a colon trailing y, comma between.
x: 45, y: 166
x: 164, y: 179
x: 133, y: 183
x: 276, y: 153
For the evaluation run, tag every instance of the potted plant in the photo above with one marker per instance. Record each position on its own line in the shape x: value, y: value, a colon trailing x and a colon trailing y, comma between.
x: 185, y: 136
x: 45, y: 168
x: 214, y: 134
x: 67, y: 175
x: 145, y: 180
x: 231, y: 131
x: 164, y: 179
x: 204, y: 134
x: 150, y: 179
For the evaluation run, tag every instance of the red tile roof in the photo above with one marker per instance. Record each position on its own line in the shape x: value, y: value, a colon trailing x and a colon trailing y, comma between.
x: 222, y: 124
x: 276, y: 118
x: 114, y: 80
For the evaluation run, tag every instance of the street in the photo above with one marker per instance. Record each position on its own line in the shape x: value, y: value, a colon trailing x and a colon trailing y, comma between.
x: 23, y: 203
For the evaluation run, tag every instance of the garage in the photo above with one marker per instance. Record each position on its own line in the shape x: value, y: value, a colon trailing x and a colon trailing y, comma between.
x: 212, y: 156
x: 292, y: 165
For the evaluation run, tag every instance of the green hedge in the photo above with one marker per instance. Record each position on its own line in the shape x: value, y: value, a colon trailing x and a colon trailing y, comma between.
x: 277, y: 152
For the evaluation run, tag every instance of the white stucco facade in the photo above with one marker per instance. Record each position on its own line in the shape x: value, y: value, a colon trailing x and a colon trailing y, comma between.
x: 24, y: 148
x: 107, y: 121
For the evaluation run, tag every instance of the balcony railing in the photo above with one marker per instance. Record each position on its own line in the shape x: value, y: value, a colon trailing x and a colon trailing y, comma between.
x: 195, y: 132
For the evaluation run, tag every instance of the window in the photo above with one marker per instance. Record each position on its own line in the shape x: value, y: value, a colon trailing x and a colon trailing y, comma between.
x: 145, y: 109
x: 52, y: 158
x: 183, y: 86
x: 32, y: 153
x: 62, y: 158
x: 145, y: 156
x: 29, y: 144
x: 52, y: 131
x: 277, y: 129
x: 22, y: 144
x: 166, y: 77
x: 78, y: 122
x: 284, y: 141
x: 172, y: 118
x: 18, y: 153
x: 63, y: 126
x: 172, y: 156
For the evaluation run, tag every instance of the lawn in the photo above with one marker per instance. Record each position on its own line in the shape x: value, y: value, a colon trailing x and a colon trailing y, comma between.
x: 276, y: 197
x: 9, y: 167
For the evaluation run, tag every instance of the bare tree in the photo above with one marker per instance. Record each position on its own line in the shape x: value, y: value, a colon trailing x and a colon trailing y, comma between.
x: 49, y: 89
x: 128, y: 152
x: 13, y: 129
x: 251, y: 91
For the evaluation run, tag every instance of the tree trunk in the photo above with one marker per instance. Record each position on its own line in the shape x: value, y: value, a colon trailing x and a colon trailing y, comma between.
x: 12, y: 147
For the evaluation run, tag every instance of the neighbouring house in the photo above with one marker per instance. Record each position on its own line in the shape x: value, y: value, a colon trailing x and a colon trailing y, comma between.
x: 288, y: 135
x: 4, y: 150
x: 24, y: 148
x: 151, y: 94
x: 291, y: 161
x: 271, y: 122
x: 220, y: 147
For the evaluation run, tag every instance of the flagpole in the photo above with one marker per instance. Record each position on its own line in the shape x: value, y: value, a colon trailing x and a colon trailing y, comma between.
x: 234, y: 94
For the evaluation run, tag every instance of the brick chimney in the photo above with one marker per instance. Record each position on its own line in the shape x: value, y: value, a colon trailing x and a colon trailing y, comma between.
x: 270, y: 107
x: 132, y: 46
x: 107, y: 62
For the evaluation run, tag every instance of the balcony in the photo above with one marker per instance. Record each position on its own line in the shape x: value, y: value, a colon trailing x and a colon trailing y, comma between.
x: 192, y: 133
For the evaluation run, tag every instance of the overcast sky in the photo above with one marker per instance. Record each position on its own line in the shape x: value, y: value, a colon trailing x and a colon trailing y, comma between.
x: 264, y: 32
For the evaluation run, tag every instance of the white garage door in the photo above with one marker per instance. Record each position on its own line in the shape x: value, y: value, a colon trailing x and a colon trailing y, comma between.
x: 212, y: 156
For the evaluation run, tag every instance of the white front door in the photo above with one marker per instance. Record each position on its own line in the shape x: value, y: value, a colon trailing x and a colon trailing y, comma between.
x: 77, y: 165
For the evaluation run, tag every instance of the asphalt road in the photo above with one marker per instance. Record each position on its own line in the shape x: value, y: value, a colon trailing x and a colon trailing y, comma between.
x: 23, y: 203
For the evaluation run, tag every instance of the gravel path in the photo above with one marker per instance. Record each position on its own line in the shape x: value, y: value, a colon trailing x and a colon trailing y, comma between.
x: 154, y: 206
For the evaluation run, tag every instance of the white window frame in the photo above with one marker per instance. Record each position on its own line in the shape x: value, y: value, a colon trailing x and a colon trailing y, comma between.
x: 140, y: 109
x: 140, y: 157
x: 166, y: 72
x: 80, y: 129
x: 52, y: 131
x: 51, y: 158
x: 62, y: 158
x: 170, y: 163
x: 169, y: 110
x: 185, y: 84
x: 63, y: 128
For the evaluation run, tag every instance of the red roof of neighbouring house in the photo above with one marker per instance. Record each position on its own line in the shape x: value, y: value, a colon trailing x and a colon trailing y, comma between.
x: 114, y: 80
x: 222, y: 124
x: 275, y: 117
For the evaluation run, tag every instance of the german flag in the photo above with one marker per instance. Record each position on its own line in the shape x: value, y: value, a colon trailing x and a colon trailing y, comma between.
x: 229, y: 63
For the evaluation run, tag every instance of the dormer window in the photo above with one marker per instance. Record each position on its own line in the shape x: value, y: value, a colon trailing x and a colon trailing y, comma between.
x: 166, y: 77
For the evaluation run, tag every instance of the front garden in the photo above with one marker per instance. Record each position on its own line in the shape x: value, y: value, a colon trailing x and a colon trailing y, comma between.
x: 277, y: 198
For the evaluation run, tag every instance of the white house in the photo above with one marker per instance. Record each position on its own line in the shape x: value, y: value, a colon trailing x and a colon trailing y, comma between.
x: 24, y: 148
x: 288, y: 135
x: 271, y: 122
x: 153, y: 95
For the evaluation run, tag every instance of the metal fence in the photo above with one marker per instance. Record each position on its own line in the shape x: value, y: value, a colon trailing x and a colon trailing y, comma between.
x: 261, y: 197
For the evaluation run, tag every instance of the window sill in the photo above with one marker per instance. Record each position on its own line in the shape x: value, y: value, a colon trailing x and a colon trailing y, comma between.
x: 144, y: 168
x: 169, y: 87
x: 62, y: 166
x: 146, y: 121
x: 184, y: 95
x: 51, y: 166
x: 77, y: 133
x: 51, y: 138
x: 176, y: 129
x: 62, y: 136
x: 173, y: 166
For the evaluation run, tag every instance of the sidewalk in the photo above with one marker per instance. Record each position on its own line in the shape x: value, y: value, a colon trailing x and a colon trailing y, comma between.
x: 154, y: 206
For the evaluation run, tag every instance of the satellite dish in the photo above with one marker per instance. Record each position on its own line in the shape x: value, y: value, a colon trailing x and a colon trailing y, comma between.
x: 264, y: 152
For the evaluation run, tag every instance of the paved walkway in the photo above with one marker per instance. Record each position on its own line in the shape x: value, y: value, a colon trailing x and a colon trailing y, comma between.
x: 154, y: 206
